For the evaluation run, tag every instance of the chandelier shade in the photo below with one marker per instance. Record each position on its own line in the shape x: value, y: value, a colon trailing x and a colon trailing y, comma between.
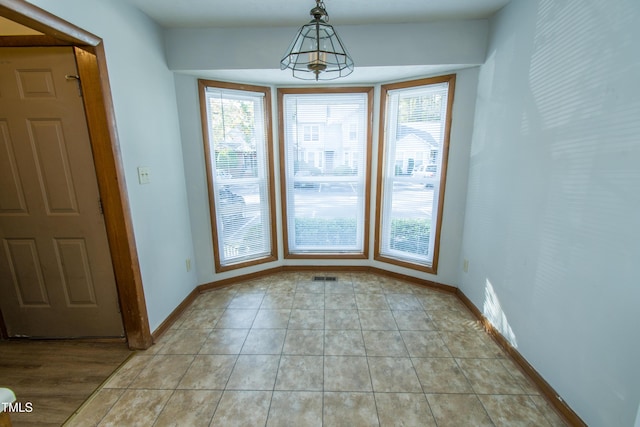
x: 317, y: 53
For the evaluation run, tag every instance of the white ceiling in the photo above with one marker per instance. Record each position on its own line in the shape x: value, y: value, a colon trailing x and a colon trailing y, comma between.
x: 245, y: 13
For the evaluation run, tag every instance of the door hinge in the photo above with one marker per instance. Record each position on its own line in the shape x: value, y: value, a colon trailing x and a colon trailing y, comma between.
x: 100, y: 207
x: 77, y: 79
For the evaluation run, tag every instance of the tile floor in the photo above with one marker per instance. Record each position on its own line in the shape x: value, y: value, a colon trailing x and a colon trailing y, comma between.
x: 285, y: 350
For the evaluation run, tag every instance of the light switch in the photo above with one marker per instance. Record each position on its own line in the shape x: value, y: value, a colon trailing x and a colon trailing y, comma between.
x: 144, y: 175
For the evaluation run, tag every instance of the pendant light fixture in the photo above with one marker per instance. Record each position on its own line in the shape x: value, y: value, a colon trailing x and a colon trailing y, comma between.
x: 317, y: 53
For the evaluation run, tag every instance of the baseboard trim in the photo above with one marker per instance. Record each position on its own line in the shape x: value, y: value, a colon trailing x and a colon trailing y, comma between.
x: 236, y: 279
x: 552, y: 396
x: 173, y: 316
x: 415, y: 280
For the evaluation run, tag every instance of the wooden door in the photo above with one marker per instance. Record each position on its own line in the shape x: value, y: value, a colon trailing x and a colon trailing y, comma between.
x: 56, y: 274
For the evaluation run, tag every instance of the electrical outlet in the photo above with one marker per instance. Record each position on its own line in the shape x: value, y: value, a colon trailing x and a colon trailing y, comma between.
x: 188, y: 264
x: 144, y: 175
x: 465, y: 266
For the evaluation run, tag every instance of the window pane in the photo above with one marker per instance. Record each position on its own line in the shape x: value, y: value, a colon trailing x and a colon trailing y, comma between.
x: 325, y: 171
x: 413, y: 151
x: 238, y: 163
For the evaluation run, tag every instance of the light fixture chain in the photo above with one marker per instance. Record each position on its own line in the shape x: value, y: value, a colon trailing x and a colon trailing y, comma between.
x: 320, y: 4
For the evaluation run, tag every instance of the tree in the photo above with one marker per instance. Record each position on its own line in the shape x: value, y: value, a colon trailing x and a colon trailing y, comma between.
x: 230, y: 118
x: 423, y: 108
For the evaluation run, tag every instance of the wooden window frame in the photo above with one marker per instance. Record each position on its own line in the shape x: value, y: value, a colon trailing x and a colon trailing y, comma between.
x: 378, y: 256
x: 202, y: 87
x: 283, y: 184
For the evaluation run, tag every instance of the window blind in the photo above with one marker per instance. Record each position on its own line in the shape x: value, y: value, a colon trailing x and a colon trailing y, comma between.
x: 325, y: 165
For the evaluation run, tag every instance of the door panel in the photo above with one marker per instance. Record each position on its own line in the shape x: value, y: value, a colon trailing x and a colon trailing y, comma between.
x: 75, y: 270
x: 52, y: 166
x: 56, y: 274
x: 11, y: 195
x: 24, y: 264
x: 35, y: 83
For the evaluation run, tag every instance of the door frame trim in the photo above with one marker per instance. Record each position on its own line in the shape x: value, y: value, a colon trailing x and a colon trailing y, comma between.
x: 98, y: 104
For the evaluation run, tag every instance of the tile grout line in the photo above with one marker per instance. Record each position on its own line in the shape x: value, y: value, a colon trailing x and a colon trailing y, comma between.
x: 424, y: 394
x: 234, y: 365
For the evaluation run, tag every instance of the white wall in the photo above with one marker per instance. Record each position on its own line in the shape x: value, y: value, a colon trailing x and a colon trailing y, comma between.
x: 552, y: 229
x: 146, y: 115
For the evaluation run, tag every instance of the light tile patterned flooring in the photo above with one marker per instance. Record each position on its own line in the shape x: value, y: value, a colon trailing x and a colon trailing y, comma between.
x: 284, y: 350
